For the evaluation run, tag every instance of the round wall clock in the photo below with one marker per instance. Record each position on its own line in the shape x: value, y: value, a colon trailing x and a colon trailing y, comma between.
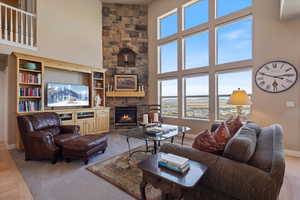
x: 276, y: 76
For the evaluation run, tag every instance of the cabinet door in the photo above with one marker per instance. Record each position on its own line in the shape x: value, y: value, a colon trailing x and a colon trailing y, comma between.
x: 90, y: 126
x: 103, y: 121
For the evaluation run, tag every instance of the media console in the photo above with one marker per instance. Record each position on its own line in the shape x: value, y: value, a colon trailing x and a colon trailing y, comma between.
x: 31, y: 92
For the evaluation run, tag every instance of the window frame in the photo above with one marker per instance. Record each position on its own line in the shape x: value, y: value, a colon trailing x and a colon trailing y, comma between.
x: 159, y: 57
x: 161, y: 97
x: 184, y: 97
x: 159, y: 24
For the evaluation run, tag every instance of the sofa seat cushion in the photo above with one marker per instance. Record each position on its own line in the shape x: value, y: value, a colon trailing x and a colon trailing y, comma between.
x: 85, y: 143
x: 61, y: 139
x: 242, y: 146
x: 206, y: 142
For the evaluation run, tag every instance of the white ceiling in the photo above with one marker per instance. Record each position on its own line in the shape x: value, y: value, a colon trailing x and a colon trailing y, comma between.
x: 127, y: 1
x: 290, y: 9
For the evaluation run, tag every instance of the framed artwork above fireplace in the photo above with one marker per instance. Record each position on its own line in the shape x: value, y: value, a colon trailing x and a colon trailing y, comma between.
x: 125, y: 82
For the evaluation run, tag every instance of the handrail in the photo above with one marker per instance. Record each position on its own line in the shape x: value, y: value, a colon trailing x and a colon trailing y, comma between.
x: 17, y: 9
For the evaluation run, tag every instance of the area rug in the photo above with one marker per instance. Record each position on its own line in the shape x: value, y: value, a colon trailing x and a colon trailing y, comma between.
x: 125, y: 174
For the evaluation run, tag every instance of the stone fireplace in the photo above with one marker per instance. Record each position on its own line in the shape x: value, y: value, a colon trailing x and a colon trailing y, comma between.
x: 125, y: 116
x: 125, y: 50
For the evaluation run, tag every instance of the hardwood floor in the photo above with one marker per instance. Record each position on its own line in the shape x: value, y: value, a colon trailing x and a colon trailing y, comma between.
x: 291, y: 185
x: 12, y: 184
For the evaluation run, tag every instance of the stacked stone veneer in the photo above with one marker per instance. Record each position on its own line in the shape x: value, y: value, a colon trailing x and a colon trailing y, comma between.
x: 125, y: 26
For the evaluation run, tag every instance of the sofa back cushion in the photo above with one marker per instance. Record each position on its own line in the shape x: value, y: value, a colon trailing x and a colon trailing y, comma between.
x: 42, y: 121
x: 242, y: 146
x: 263, y: 155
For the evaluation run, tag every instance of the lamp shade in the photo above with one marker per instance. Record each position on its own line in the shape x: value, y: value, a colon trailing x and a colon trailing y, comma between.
x: 239, y: 98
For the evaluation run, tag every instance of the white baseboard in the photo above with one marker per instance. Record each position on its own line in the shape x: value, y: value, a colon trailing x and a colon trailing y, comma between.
x: 292, y: 153
x: 10, y: 146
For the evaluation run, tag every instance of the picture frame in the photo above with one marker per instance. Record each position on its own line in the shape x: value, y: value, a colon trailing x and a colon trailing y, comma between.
x: 126, y: 82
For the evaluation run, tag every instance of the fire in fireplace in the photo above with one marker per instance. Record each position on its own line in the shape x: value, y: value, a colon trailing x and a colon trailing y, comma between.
x: 126, y: 116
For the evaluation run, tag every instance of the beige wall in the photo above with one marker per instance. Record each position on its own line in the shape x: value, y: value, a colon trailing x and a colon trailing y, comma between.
x: 68, y: 30
x: 273, y: 40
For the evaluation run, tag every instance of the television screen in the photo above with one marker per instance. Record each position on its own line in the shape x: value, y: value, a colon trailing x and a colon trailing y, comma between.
x: 62, y: 95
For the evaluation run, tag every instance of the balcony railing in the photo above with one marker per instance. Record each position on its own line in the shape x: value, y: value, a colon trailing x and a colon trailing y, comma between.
x: 17, y: 27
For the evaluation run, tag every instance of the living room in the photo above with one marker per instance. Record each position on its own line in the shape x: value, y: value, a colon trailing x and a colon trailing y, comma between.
x: 86, y: 84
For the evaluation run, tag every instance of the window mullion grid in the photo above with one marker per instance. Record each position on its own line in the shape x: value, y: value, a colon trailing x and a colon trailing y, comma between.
x: 212, y: 60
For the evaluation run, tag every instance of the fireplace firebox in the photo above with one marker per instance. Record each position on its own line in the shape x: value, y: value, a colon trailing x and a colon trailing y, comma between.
x: 125, y: 116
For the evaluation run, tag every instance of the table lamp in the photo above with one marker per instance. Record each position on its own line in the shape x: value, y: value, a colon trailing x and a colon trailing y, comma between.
x: 239, y: 98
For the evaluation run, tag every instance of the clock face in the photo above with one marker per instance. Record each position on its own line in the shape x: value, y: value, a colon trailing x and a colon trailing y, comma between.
x: 276, y: 76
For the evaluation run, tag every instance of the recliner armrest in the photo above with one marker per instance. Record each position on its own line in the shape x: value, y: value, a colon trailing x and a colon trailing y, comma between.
x: 236, y: 179
x: 43, y: 139
x: 72, y: 129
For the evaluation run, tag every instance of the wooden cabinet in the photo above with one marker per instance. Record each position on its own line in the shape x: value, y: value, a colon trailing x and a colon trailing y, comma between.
x: 91, y: 121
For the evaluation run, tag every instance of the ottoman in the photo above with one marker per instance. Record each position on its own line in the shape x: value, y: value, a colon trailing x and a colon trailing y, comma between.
x: 83, y: 147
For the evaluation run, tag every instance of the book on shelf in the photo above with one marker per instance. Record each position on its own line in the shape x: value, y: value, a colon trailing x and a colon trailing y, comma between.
x: 30, y: 92
x: 30, y: 105
x: 174, y: 168
x: 26, y: 77
x: 174, y: 160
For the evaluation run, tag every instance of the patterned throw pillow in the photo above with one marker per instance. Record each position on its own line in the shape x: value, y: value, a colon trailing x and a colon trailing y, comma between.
x: 206, y: 142
x: 234, y: 124
x: 222, y: 136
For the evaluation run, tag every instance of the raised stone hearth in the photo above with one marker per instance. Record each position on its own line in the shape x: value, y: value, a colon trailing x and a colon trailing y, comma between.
x: 125, y: 26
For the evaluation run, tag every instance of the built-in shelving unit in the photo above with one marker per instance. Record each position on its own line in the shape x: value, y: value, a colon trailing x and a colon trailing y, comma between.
x: 31, y: 93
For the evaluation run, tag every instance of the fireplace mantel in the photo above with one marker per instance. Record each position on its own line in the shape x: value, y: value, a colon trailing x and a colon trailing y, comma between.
x: 125, y: 94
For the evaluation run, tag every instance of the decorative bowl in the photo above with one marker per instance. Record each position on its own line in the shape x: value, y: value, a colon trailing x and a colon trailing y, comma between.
x: 30, y: 66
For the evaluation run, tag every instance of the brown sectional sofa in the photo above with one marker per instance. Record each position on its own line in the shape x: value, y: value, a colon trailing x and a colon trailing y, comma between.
x: 251, y: 168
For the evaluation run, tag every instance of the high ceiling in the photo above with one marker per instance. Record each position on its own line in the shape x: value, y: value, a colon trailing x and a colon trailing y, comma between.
x: 127, y: 1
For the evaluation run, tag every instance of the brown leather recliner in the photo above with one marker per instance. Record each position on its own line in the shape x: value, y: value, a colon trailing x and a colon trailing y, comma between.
x: 42, y: 135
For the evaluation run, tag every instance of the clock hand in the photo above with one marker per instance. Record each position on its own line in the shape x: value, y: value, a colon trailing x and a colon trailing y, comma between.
x: 264, y: 74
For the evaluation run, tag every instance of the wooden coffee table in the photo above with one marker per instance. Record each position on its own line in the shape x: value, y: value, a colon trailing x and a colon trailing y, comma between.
x: 173, y: 185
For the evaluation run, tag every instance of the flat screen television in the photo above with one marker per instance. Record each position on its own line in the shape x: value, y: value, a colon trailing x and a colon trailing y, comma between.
x: 67, y: 95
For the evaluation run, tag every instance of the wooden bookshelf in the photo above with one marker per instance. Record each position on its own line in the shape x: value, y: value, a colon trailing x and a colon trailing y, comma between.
x: 98, y: 86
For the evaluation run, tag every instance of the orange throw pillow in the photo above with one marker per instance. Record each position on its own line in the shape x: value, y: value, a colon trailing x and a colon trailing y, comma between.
x: 234, y: 124
x: 206, y: 142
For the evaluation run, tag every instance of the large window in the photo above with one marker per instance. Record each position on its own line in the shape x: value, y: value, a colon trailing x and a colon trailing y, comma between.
x: 196, y: 51
x: 204, y: 47
x: 169, y: 97
x: 196, y: 98
x: 168, y: 25
x: 195, y: 13
x: 234, y: 41
x: 227, y: 82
